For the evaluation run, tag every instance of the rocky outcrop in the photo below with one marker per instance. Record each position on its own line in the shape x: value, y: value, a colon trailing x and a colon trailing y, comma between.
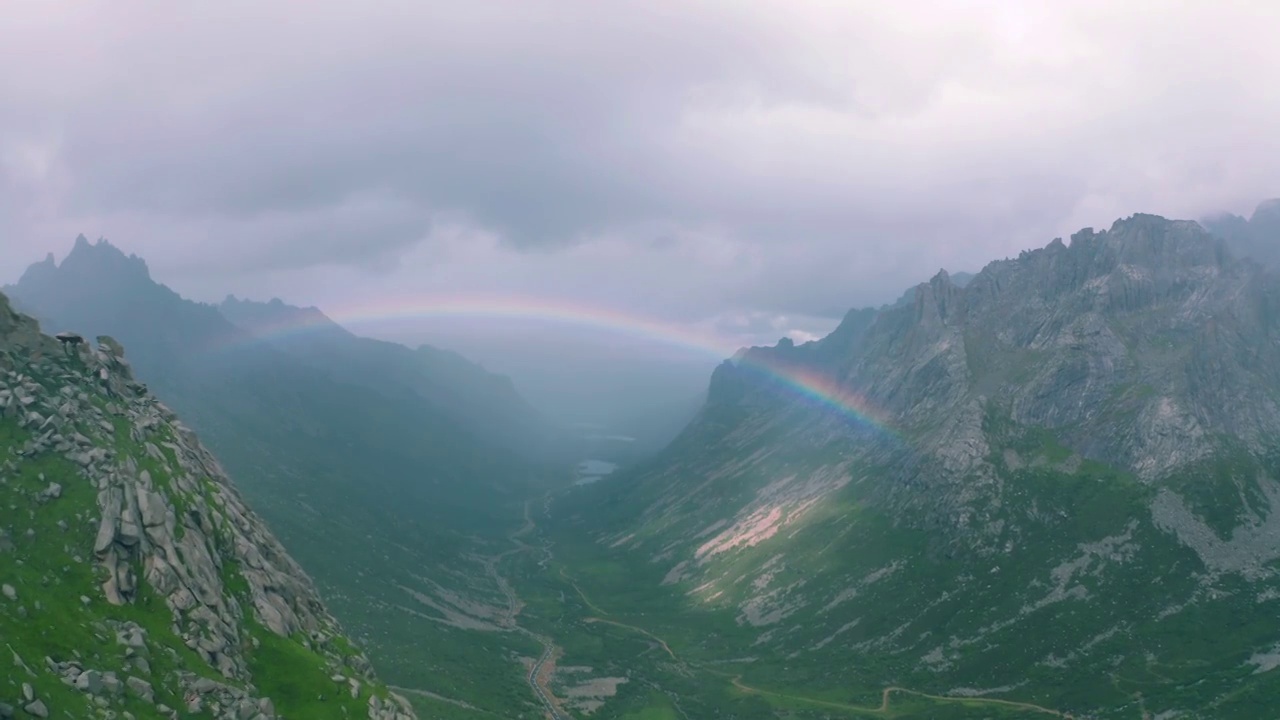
x: 169, y: 534
x: 1131, y: 343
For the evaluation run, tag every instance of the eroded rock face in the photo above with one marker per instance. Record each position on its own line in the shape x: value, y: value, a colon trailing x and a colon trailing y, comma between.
x: 169, y: 525
x: 1135, y: 346
x: 1086, y: 430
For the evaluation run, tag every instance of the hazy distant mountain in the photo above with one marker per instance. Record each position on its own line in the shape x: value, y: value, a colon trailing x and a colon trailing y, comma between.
x: 1257, y: 237
x: 136, y: 579
x: 485, y: 403
x: 1059, y: 484
x: 374, y: 492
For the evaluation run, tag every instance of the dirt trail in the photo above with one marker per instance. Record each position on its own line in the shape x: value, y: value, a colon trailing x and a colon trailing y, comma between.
x: 886, y: 694
x: 585, y: 600
x: 884, y: 703
x: 441, y: 698
x: 642, y: 631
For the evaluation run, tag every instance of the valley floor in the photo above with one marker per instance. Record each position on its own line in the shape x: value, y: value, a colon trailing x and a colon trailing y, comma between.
x: 644, y: 660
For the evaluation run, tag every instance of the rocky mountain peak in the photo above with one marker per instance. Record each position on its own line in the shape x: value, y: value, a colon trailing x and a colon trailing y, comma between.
x: 1155, y: 242
x: 1062, y: 336
x: 102, y: 259
x: 935, y: 300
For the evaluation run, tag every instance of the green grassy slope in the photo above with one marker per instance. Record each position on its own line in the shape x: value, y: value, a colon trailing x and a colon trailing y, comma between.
x: 1091, y: 604
x: 68, y: 440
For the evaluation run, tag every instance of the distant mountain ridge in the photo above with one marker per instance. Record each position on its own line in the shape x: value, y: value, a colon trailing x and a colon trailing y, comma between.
x: 1069, y: 494
x: 485, y: 402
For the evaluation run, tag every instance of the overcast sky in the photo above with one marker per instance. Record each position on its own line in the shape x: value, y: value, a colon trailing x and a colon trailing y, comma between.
x: 767, y: 164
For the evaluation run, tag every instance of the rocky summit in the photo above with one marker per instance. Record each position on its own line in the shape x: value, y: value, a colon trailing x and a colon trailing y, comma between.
x: 136, y: 583
x: 1057, y: 486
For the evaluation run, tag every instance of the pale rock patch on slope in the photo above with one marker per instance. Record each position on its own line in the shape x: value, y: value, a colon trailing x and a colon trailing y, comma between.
x: 885, y: 641
x: 936, y: 660
x: 587, y: 695
x: 1267, y: 595
x: 762, y: 524
x: 771, y: 607
x: 1093, y: 559
x: 837, y: 633
x: 768, y: 572
x: 677, y: 573
x: 1056, y: 661
x: 1251, y: 548
x: 870, y: 578
x: 980, y: 692
x: 1266, y: 660
x: 780, y: 503
x: 458, y: 611
x: 622, y: 540
x: 1169, y: 437
x: 710, y: 529
x: 668, y: 508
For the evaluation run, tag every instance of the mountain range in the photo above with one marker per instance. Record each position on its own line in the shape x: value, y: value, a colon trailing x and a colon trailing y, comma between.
x: 1049, y: 487
x: 485, y: 403
x: 1057, y: 485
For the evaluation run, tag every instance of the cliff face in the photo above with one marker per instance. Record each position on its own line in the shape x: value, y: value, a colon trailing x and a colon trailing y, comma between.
x: 1035, y: 481
x: 135, y: 577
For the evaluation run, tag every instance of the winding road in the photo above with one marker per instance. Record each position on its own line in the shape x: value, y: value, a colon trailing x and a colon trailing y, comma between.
x: 534, y: 682
x: 537, y: 683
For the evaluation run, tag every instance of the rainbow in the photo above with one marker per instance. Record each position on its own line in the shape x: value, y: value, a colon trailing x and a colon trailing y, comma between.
x: 811, y: 386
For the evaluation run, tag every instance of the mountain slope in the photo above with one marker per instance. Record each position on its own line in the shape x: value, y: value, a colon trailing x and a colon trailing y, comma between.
x: 135, y: 578
x: 384, y: 499
x: 1066, y: 492
x: 484, y: 402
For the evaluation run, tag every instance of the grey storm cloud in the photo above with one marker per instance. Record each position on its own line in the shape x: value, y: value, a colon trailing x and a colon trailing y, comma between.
x: 689, y: 158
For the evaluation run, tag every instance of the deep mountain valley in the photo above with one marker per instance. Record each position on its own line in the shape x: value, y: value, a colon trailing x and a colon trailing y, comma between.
x: 1048, y: 488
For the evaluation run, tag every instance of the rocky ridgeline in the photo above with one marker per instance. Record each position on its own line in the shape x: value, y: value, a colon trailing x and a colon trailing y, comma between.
x: 1141, y: 346
x: 161, y: 537
x: 1061, y: 473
